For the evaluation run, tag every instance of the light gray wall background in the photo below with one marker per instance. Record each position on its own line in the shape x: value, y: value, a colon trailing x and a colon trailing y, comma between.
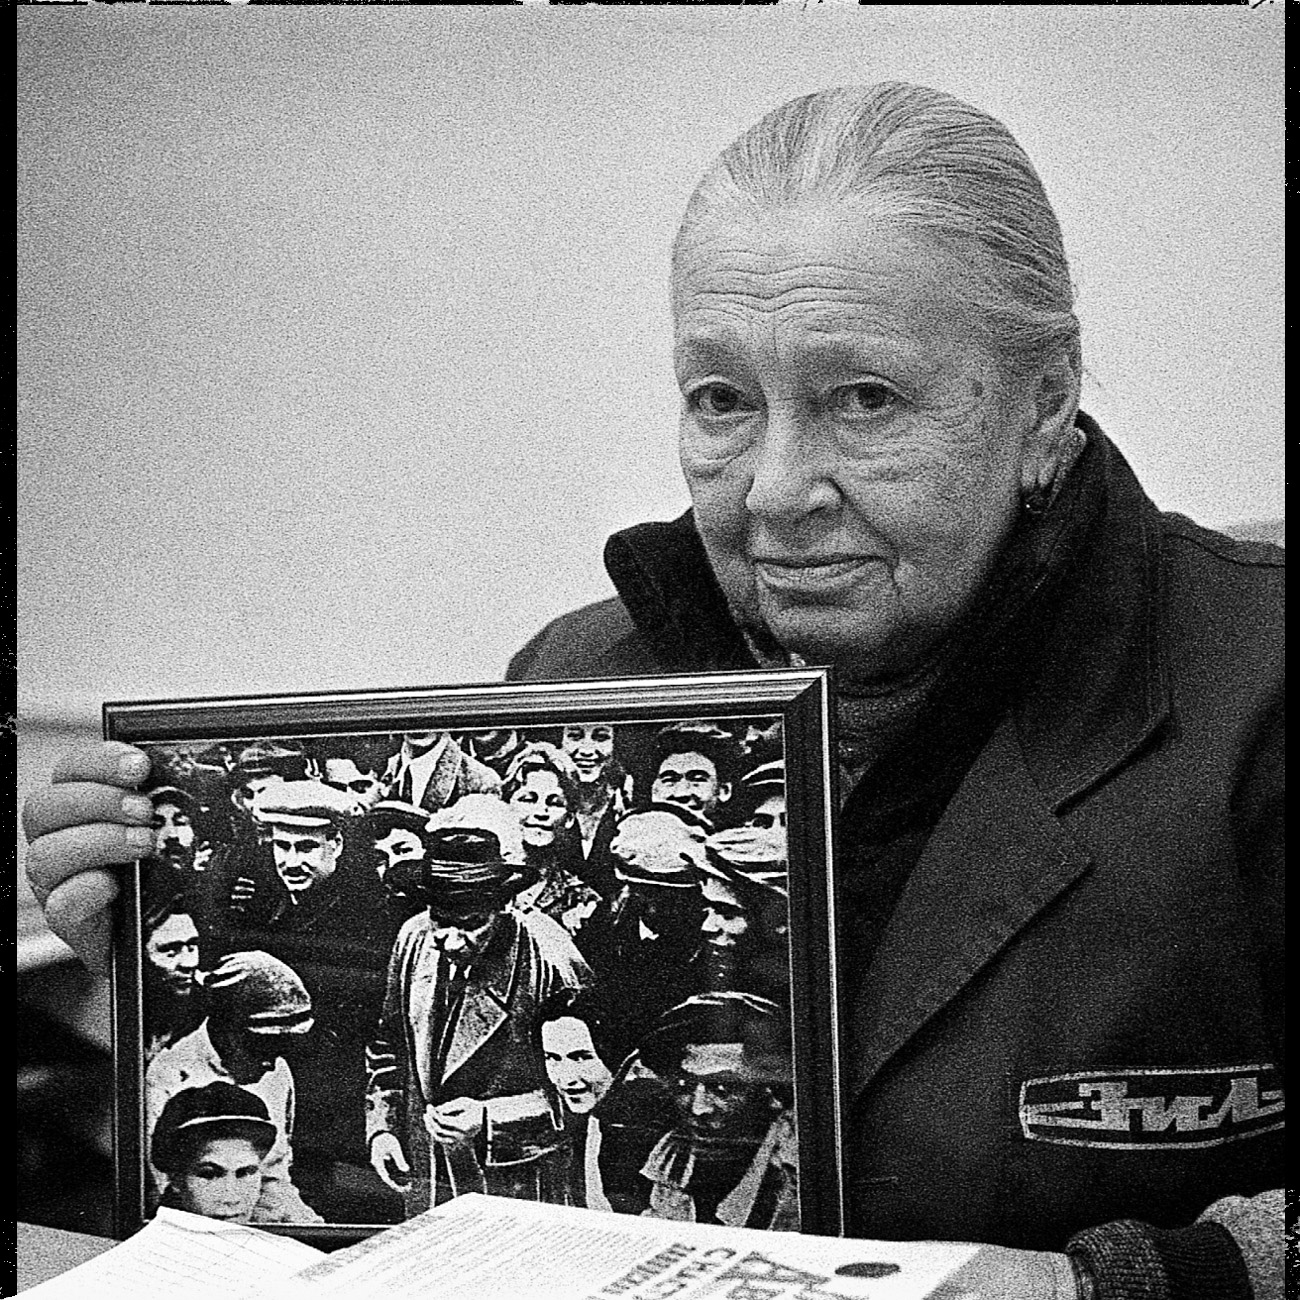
x: 343, y: 339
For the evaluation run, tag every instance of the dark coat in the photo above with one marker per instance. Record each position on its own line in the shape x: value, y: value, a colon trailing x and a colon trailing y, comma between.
x: 484, y: 1050
x: 1073, y: 1014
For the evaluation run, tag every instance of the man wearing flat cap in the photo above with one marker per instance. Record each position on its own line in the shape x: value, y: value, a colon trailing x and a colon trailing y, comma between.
x: 258, y: 1009
x: 293, y: 886
x: 731, y: 1157
x: 454, y: 1076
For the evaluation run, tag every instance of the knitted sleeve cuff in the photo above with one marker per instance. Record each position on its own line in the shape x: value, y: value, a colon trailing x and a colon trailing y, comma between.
x: 1128, y: 1260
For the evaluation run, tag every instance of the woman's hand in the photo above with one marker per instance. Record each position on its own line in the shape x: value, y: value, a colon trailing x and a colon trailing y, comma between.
x: 84, y: 823
x: 996, y: 1273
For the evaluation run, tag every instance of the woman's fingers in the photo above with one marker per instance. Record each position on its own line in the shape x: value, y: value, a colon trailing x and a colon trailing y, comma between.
x: 108, y: 762
x: 62, y: 855
x: 85, y: 822
x: 78, y: 803
x: 77, y: 911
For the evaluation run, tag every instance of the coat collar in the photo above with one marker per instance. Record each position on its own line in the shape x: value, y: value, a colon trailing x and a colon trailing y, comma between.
x: 1100, y: 692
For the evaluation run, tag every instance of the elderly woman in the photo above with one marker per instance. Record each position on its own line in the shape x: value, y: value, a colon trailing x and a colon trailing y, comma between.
x: 1060, y: 709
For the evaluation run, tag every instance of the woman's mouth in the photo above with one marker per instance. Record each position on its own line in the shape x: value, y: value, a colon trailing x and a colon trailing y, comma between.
x: 812, y: 574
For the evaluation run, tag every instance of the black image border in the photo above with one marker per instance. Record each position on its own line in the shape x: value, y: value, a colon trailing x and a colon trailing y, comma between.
x: 800, y: 696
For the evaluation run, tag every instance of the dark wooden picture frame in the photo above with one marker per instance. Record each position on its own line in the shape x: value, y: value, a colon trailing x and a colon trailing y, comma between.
x: 294, y: 941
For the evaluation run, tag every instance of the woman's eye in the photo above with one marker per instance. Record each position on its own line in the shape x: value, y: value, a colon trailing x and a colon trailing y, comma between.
x: 716, y: 400
x: 856, y: 400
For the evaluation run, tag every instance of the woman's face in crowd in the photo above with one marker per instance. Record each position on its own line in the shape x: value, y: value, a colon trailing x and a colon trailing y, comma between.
x: 591, y: 748
x: 541, y: 807
x: 573, y: 1066
x: 853, y: 454
x: 223, y: 1181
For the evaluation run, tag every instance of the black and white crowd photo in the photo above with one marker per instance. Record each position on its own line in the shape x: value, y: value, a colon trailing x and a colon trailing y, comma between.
x: 381, y: 970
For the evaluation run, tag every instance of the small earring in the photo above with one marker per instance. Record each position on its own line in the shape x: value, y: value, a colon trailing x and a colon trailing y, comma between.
x: 1036, y: 500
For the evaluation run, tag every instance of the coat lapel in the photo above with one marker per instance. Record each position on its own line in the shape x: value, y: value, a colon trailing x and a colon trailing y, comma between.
x: 997, y: 858
x: 484, y: 1008
x: 442, y: 780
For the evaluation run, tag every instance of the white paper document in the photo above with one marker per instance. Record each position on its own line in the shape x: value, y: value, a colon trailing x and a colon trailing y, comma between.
x: 182, y: 1255
x: 490, y: 1248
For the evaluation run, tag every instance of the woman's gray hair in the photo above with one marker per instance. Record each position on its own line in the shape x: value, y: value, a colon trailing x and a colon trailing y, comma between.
x: 928, y: 163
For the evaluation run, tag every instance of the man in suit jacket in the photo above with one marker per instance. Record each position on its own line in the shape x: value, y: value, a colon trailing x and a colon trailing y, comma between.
x: 431, y: 771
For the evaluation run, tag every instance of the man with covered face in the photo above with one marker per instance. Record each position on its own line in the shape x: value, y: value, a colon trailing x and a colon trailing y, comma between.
x: 454, y: 1077
x: 396, y: 836
x: 643, y: 944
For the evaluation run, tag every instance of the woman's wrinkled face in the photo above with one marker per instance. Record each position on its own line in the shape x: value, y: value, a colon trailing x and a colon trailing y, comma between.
x: 853, y: 454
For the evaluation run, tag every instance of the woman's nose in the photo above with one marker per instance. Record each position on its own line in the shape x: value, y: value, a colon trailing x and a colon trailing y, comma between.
x: 790, y: 480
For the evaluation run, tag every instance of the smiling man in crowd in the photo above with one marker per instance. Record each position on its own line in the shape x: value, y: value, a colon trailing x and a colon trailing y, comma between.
x: 695, y: 768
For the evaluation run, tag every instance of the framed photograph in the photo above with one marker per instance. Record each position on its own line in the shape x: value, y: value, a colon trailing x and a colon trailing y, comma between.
x: 570, y: 942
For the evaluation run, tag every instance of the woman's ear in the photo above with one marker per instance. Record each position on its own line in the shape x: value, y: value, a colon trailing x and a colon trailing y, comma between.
x: 1052, y: 441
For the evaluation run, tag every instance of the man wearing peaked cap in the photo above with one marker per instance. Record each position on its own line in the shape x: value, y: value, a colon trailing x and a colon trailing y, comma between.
x: 762, y: 799
x: 258, y: 1009
x: 731, y: 1157
x: 287, y: 880
x: 456, y: 1096
x: 210, y: 1143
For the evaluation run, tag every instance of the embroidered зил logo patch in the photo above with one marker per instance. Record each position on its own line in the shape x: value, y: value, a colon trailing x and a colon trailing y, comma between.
x: 1152, y: 1109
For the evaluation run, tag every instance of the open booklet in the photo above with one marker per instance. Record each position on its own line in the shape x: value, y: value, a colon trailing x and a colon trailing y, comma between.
x: 492, y: 1248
